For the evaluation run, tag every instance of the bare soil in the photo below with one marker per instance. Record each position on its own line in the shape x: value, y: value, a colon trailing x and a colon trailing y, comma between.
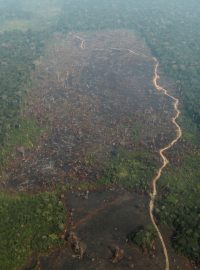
x: 103, y: 222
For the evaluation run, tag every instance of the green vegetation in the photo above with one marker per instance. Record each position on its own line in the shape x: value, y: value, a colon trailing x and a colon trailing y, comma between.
x: 18, y: 51
x: 25, y: 134
x: 190, y: 129
x: 136, y: 134
x: 28, y: 224
x: 83, y: 15
x: 17, y: 55
x: 144, y: 237
x: 180, y: 207
x: 130, y: 169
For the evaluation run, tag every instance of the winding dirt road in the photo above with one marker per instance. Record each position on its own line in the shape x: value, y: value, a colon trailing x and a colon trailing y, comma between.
x: 165, y: 161
x: 153, y: 192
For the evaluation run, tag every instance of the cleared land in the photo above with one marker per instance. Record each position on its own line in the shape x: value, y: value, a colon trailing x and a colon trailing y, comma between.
x: 103, y: 124
x: 94, y: 103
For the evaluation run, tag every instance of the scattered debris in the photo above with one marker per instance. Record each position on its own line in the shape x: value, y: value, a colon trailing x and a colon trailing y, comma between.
x: 77, y: 246
x: 118, y: 255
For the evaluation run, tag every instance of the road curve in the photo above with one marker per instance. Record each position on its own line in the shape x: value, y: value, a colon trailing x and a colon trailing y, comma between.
x: 165, y: 161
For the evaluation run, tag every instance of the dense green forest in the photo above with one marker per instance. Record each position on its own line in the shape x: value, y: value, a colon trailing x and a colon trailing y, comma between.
x: 171, y: 30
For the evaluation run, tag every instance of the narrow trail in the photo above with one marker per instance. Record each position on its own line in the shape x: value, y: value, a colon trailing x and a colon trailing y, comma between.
x: 82, y: 46
x: 165, y: 161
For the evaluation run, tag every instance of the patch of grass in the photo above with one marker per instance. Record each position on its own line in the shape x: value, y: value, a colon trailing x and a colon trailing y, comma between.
x: 24, y: 134
x: 28, y: 224
x: 18, y: 52
x: 130, y: 169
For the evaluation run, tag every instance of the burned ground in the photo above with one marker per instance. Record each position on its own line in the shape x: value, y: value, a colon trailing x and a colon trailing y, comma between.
x: 103, y: 220
x: 91, y: 101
